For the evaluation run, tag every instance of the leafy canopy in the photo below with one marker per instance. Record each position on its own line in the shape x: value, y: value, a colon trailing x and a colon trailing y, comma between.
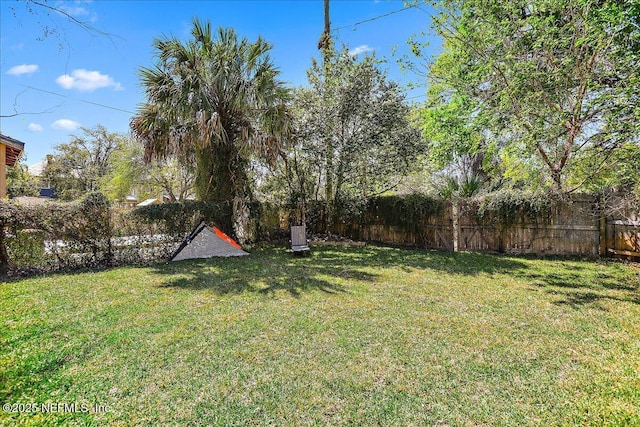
x: 353, y: 128
x: 550, y: 88
x: 78, y: 167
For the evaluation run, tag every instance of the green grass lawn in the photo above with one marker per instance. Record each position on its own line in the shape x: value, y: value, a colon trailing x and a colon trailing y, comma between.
x: 349, y: 336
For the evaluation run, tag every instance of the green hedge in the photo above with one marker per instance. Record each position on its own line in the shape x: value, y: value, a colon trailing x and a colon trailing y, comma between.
x: 56, y: 235
x: 179, y: 218
x: 91, y: 233
x: 507, y: 207
x: 407, y: 212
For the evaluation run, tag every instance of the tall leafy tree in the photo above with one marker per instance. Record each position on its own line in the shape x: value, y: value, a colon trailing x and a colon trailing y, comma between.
x: 79, y: 166
x: 130, y: 174
x: 217, y: 99
x: 354, y: 138
x: 555, y: 84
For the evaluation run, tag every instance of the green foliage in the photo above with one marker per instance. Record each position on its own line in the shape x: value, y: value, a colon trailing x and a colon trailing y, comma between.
x: 80, y: 166
x: 455, y: 187
x: 354, y: 137
x: 179, y: 218
x: 449, y: 129
x: 508, y: 206
x: 127, y: 172
x: 77, y: 234
x: 551, y: 86
x: 27, y: 248
x: 624, y: 177
x: 408, y: 212
x: 130, y: 174
x: 20, y: 183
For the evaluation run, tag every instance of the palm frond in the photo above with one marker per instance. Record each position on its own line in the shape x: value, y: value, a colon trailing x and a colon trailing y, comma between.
x: 215, y: 92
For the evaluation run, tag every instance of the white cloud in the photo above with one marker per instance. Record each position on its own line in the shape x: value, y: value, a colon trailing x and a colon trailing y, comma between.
x: 87, y: 81
x: 77, y: 10
x: 19, y: 70
x: 34, y: 127
x: 360, y: 49
x: 65, y: 124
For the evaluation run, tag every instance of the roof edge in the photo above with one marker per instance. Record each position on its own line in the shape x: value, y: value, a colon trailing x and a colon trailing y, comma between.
x: 18, y: 145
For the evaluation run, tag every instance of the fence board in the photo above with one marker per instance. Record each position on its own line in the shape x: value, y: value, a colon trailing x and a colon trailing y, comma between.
x: 573, y: 227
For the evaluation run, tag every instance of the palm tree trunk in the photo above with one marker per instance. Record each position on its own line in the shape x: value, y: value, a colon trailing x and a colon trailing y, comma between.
x: 221, y: 177
x: 240, y: 217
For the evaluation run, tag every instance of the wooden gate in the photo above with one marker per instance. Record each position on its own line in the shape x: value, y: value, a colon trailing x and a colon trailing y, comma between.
x: 620, y: 230
x: 621, y: 238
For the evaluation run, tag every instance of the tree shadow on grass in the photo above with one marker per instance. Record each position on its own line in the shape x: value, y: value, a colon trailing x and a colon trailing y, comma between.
x: 576, y: 286
x: 578, y: 299
x: 408, y: 259
x: 572, y: 281
x: 264, y: 272
x: 332, y: 269
x: 328, y: 269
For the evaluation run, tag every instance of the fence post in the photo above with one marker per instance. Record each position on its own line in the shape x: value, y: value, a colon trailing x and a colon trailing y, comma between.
x: 455, y: 211
x: 602, y: 226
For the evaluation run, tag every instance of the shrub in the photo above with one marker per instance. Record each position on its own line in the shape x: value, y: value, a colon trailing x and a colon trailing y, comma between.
x: 407, y: 212
x: 90, y: 233
x: 179, y: 218
x: 56, y: 235
x: 508, y: 206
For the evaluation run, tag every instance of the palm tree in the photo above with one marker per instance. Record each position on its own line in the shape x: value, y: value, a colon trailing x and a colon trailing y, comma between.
x: 215, y: 100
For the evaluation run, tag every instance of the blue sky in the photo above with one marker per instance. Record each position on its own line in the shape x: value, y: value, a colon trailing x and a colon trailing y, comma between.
x: 51, y: 84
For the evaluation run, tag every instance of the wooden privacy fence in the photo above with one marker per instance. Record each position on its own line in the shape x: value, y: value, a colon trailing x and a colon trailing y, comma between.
x: 567, y: 228
x: 579, y: 226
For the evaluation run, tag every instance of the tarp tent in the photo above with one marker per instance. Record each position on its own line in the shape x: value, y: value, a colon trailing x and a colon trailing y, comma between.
x: 207, y: 242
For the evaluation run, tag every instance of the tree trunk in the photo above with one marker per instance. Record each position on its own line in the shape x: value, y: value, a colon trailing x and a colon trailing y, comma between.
x: 240, y: 218
x: 325, y: 38
x: 556, y: 176
x: 221, y: 177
